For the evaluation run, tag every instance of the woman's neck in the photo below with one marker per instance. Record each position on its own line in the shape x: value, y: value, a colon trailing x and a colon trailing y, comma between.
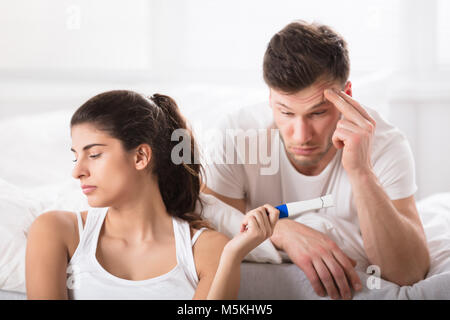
x: 142, y: 216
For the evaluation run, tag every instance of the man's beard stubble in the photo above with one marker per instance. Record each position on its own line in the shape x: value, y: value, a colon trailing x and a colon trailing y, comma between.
x: 309, y: 162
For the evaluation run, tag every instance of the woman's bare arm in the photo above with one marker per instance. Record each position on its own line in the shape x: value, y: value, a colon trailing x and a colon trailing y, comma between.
x: 219, y: 259
x: 207, y: 254
x: 47, y: 256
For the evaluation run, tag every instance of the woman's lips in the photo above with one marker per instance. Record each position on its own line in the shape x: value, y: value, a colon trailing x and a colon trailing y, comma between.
x: 88, y: 189
x: 303, y: 151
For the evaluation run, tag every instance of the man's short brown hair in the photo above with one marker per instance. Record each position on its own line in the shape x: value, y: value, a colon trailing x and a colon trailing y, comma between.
x: 302, y: 53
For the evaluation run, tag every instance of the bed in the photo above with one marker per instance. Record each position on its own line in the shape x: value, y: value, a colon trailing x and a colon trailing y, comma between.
x: 37, y: 179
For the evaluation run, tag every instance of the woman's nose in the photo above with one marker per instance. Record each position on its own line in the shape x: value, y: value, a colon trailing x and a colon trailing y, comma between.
x: 79, y: 170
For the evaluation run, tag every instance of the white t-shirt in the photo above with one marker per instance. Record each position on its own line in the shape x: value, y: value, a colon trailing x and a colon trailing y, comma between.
x: 277, y: 182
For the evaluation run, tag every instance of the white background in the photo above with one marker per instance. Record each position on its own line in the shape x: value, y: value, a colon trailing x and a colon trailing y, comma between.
x: 207, y: 54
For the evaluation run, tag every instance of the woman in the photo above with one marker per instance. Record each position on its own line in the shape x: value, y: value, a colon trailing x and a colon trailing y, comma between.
x: 140, y: 239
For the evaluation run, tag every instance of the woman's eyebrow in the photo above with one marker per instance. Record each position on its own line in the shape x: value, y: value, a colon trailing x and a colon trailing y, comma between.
x: 89, y: 146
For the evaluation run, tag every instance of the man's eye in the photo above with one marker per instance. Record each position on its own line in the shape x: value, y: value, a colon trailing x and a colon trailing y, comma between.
x: 287, y: 113
x: 318, y: 113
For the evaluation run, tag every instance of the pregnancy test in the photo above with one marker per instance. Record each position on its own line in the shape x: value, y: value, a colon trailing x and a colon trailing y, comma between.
x: 294, y: 209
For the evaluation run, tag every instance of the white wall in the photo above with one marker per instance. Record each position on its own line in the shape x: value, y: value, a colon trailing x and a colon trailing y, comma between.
x: 82, y: 35
x: 421, y: 109
x: 207, y: 54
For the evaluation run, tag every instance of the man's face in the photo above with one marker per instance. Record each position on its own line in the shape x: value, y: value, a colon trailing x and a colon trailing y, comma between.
x: 306, y: 122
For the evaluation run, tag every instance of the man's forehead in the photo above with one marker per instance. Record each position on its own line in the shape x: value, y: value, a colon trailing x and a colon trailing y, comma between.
x: 313, y: 93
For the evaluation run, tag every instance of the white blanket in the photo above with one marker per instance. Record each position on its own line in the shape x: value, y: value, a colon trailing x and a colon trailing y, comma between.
x: 435, y: 215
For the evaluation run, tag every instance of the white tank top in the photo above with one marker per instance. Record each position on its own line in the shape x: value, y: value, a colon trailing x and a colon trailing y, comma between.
x: 87, y: 279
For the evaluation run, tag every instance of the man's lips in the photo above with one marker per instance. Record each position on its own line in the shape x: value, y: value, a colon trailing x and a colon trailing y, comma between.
x: 303, y: 151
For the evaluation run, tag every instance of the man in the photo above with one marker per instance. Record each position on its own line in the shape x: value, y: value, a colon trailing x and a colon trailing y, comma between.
x: 330, y: 144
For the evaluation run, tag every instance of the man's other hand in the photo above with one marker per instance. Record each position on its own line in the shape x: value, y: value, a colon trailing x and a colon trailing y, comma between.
x: 329, y: 270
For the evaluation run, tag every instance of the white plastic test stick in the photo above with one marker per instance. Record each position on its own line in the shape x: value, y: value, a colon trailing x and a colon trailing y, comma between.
x: 294, y: 209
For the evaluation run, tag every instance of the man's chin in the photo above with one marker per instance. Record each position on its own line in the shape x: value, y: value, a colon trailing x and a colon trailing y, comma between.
x: 309, y: 160
x: 306, y: 161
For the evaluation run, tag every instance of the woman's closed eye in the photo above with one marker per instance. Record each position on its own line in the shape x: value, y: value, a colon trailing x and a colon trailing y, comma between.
x: 93, y: 156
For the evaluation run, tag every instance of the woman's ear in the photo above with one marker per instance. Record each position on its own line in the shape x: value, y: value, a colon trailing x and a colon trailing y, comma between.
x: 142, y: 156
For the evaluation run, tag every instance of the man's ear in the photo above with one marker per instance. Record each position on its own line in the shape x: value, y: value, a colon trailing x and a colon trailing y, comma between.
x: 348, y: 88
x: 142, y: 156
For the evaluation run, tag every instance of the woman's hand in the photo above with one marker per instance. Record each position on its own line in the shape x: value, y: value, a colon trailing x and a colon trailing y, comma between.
x: 257, y: 226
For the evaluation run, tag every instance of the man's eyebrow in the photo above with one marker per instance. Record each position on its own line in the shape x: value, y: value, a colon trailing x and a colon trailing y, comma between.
x: 89, y: 146
x: 317, y: 105
x: 283, y: 105
x: 310, y: 109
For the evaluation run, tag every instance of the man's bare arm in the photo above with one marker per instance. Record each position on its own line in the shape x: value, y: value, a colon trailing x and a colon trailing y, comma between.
x: 392, y: 232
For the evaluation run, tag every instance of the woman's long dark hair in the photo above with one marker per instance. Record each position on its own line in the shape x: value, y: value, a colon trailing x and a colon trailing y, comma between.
x: 135, y: 119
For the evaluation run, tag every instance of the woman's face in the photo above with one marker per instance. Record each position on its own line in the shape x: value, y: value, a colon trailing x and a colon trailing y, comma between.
x: 100, y: 161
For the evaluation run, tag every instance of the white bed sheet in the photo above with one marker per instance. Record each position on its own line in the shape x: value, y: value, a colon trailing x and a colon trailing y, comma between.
x: 286, y: 281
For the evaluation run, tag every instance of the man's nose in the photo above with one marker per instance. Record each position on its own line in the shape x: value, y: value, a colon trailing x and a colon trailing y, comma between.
x: 302, y: 132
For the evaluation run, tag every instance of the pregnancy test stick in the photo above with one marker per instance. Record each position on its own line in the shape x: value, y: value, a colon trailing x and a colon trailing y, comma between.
x: 294, y: 209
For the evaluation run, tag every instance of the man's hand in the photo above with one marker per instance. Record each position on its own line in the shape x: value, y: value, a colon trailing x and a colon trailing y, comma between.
x: 327, y: 267
x: 354, y: 132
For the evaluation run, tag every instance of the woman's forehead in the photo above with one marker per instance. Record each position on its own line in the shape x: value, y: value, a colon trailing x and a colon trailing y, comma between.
x: 84, y: 129
x: 83, y: 134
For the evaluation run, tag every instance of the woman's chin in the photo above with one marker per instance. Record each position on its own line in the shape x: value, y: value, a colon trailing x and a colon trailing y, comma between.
x: 95, y: 203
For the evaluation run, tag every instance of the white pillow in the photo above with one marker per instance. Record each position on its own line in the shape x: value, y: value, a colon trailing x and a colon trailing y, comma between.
x: 435, y: 215
x: 16, y: 208
x: 227, y: 220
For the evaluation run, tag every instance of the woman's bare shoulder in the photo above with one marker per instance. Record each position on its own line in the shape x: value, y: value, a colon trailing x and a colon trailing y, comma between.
x: 208, y: 242
x: 54, y: 218
x: 58, y: 223
x: 207, y: 251
x: 210, y: 235
x: 50, y: 240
